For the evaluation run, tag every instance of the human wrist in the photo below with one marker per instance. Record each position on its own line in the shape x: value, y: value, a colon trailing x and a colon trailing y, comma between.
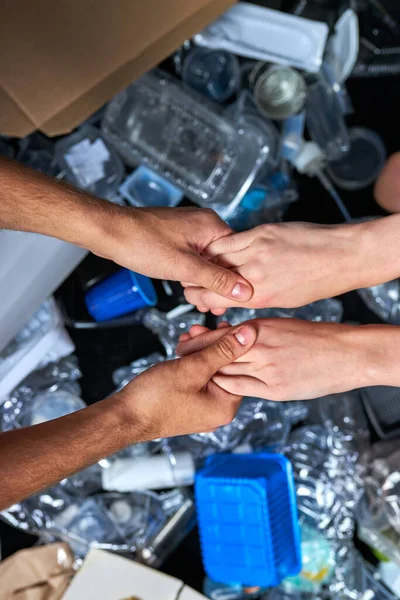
x: 134, y: 424
x: 352, y: 245
x: 370, y: 354
x: 108, y: 229
x: 379, y: 250
x: 382, y: 348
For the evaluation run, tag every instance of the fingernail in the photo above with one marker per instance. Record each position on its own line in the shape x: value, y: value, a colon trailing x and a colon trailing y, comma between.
x: 244, y: 335
x: 241, y: 291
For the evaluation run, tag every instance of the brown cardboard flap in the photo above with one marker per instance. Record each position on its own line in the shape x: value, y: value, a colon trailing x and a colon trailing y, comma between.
x: 62, y: 60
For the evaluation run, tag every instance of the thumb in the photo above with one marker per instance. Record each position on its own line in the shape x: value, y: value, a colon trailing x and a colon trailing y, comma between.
x: 219, y: 280
x: 221, y: 353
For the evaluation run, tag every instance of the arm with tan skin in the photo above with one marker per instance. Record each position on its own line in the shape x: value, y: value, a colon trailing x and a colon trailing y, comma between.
x: 165, y: 243
x: 299, y: 360
x: 292, y: 264
x: 172, y: 398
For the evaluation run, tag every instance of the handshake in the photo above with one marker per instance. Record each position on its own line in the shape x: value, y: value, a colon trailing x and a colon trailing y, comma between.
x: 283, y: 265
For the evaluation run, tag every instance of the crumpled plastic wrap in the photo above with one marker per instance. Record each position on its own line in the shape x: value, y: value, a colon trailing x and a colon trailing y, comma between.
x: 169, y: 326
x: 259, y: 424
x: 380, y: 508
x: 42, y: 340
x: 54, y: 377
x: 328, y: 479
x: 384, y: 300
x: 342, y: 413
x: 122, y: 376
x: 330, y: 310
x: 354, y: 579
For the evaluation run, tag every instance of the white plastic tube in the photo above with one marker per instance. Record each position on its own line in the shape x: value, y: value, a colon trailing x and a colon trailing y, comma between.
x: 149, y: 473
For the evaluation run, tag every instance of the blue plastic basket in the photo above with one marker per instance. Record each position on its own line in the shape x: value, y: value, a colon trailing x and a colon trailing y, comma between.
x: 247, y: 518
x: 120, y: 294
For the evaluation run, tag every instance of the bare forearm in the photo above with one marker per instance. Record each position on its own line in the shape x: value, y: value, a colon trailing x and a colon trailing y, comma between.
x: 34, y: 458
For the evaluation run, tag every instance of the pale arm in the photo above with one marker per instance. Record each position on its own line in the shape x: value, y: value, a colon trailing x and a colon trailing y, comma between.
x: 292, y: 264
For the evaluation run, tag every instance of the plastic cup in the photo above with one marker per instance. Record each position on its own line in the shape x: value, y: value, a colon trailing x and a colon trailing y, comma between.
x: 362, y: 164
x: 146, y: 188
x: 122, y: 293
x: 215, y: 73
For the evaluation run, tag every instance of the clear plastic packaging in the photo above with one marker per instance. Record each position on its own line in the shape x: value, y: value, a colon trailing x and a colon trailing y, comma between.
x: 184, y: 138
x: 50, y: 405
x: 89, y: 162
x: 245, y: 113
x: 384, y: 300
x: 52, y: 379
x: 325, y: 121
x: 329, y: 310
x: 259, y: 424
x: 145, y: 188
x: 179, y: 522
x: 362, y: 164
x: 215, y: 73
x: 169, y: 327
x: 328, y: 480
x: 123, y: 375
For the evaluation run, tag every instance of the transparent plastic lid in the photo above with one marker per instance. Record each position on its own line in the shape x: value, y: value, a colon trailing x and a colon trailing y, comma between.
x: 181, y: 136
x: 363, y: 163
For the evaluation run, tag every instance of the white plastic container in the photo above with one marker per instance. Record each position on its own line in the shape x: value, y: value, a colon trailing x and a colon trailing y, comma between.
x: 268, y: 35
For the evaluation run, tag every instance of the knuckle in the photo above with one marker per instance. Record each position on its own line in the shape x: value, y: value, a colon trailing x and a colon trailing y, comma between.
x: 255, y: 272
x: 221, y: 280
x: 226, y: 348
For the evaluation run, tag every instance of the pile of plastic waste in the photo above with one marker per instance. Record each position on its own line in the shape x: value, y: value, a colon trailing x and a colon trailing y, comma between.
x: 237, y: 104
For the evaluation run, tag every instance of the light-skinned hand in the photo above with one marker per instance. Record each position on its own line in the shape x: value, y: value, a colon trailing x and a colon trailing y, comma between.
x: 297, y: 360
x: 288, y: 264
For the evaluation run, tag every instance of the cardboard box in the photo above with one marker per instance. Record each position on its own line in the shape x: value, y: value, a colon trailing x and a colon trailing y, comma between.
x: 61, y: 61
x: 106, y: 576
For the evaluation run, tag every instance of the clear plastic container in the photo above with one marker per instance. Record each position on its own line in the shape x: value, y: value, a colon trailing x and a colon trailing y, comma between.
x: 325, y: 120
x: 89, y: 162
x: 145, y: 188
x: 183, y: 137
x: 52, y: 405
x: 363, y: 163
x: 88, y: 524
x: 245, y: 113
x: 215, y: 73
x: 138, y: 515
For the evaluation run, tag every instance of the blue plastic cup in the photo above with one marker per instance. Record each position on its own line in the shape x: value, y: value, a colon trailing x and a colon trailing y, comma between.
x: 120, y: 294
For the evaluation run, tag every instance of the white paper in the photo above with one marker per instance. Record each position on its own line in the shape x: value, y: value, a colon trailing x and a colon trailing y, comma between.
x: 106, y: 576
